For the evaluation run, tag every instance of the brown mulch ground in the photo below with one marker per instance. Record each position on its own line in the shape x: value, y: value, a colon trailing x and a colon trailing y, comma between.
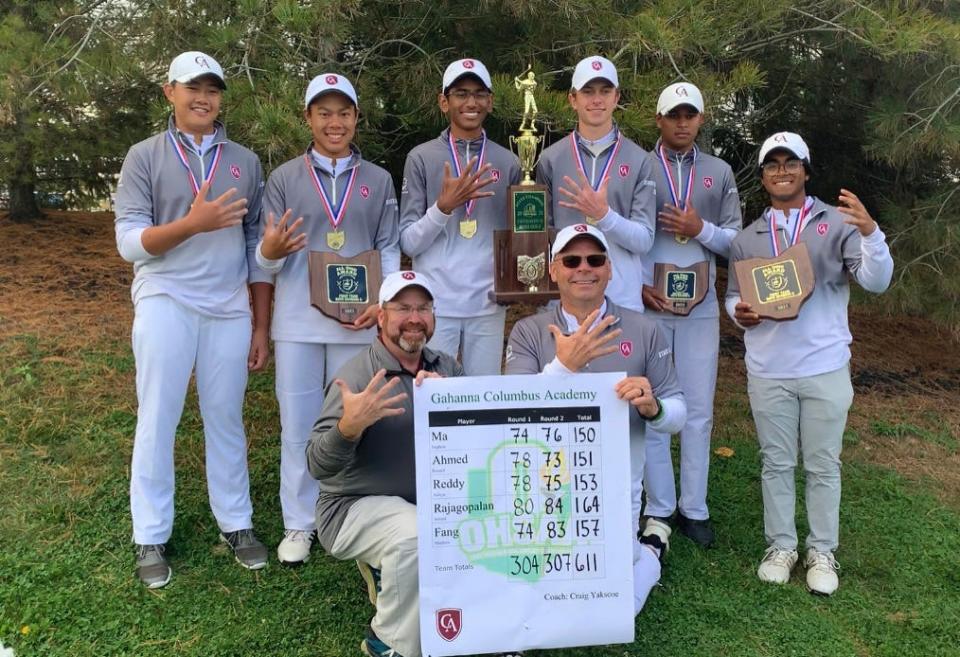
x: 62, y: 278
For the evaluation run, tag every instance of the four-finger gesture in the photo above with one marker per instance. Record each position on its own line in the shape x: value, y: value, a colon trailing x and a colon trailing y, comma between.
x: 280, y: 239
x: 685, y: 222
x: 857, y: 215
x: 585, y: 344
x: 584, y: 198
x: 454, y: 192
x: 639, y: 393
x: 206, y: 216
x: 362, y: 409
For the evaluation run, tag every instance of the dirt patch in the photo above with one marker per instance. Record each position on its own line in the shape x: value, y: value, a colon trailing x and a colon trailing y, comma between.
x: 62, y: 279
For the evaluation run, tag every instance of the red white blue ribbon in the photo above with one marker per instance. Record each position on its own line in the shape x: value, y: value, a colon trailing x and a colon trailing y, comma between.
x: 772, y: 220
x: 578, y: 158
x: 182, y: 156
x: 456, y: 161
x: 679, y: 197
x: 334, y: 213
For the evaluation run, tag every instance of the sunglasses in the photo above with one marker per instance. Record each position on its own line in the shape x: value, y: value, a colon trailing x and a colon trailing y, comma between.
x: 594, y: 260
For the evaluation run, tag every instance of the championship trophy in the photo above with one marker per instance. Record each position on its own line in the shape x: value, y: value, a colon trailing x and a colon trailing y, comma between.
x: 522, y: 251
x: 342, y: 288
x: 683, y: 287
x: 777, y: 287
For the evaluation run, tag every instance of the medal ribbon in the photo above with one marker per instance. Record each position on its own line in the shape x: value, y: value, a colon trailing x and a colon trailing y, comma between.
x: 334, y: 214
x: 772, y: 220
x: 678, y: 200
x: 182, y: 156
x: 578, y: 158
x: 456, y: 161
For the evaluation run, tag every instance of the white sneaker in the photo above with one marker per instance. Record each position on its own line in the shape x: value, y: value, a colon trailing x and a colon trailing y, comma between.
x: 659, y: 528
x: 821, y: 572
x: 294, y: 549
x: 777, y: 564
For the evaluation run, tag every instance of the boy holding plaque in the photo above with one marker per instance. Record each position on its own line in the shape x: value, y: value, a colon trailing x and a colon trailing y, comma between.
x: 344, y: 205
x: 596, y: 175
x: 798, y: 373
x: 699, y: 215
x: 187, y: 213
x: 454, y: 197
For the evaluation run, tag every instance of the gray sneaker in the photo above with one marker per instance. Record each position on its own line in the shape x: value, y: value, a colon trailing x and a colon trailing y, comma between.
x: 249, y: 551
x: 152, y: 567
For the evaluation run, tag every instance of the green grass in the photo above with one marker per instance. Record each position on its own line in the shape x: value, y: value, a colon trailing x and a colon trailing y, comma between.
x: 67, y: 585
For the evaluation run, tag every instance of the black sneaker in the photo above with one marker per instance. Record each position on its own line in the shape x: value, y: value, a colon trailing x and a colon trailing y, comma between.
x: 152, y: 566
x: 699, y: 531
x: 250, y: 552
x: 372, y: 646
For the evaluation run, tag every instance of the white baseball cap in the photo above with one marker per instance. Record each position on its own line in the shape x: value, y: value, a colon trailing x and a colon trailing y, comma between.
x: 398, y: 281
x: 329, y: 82
x: 191, y: 65
x: 681, y: 93
x: 461, y: 67
x: 592, y: 68
x: 788, y: 141
x: 572, y: 232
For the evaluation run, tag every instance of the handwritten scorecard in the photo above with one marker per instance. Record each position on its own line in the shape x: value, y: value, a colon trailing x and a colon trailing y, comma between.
x: 523, y: 513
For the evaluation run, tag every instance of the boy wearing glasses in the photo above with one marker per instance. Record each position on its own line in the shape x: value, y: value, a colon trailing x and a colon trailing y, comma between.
x: 343, y: 204
x: 798, y: 373
x: 454, y: 196
x: 699, y: 215
x: 588, y: 332
x: 598, y: 176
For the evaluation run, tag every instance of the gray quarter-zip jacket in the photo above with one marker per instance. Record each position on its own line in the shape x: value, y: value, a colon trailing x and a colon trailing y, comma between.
x: 716, y: 200
x: 631, y: 195
x: 818, y: 340
x: 208, y: 272
x: 461, y: 269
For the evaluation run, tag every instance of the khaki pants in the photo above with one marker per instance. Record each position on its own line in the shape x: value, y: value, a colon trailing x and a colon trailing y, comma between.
x: 381, y: 531
x: 793, y: 417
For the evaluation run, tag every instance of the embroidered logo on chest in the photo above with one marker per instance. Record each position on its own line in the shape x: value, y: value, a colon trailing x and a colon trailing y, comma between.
x: 626, y: 348
x: 624, y: 170
x: 495, y: 174
x: 364, y: 191
x: 707, y: 182
x: 822, y: 228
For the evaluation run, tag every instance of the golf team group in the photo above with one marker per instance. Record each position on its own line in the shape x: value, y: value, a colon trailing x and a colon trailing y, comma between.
x: 221, y: 270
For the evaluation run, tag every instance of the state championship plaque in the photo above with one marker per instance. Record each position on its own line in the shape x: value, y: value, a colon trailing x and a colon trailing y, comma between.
x: 684, y: 287
x: 342, y: 288
x: 521, y: 253
x: 777, y: 287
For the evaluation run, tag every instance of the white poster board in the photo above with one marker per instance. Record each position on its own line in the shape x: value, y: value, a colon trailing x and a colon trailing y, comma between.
x: 523, y: 513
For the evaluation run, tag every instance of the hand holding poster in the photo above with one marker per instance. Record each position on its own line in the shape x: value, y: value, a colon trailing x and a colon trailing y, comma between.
x: 523, y: 513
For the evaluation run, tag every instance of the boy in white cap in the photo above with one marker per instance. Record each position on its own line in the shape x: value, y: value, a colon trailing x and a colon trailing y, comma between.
x: 598, y: 176
x: 361, y: 450
x: 343, y: 204
x: 187, y: 213
x: 588, y: 331
x: 454, y: 196
x: 699, y: 215
x: 798, y: 372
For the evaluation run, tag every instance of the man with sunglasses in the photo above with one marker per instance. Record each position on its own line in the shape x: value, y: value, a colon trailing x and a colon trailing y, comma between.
x: 454, y: 195
x: 699, y: 215
x: 362, y: 451
x: 588, y: 332
x: 798, y: 373
x: 598, y: 176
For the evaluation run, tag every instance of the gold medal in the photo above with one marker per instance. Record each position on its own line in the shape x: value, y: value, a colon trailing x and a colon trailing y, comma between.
x: 468, y: 228
x: 336, y: 239
x: 592, y: 221
x: 681, y: 239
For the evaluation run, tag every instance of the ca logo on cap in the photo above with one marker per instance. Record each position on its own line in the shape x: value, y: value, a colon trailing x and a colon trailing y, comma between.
x: 408, y: 275
x: 201, y: 61
x: 580, y: 228
x: 331, y: 79
x: 596, y: 65
x: 682, y: 91
x: 468, y: 63
x: 780, y: 138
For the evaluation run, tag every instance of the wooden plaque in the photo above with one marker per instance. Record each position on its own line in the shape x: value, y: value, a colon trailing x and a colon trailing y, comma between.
x: 521, y: 256
x: 684, y: 287
x: 776, y: 288
x: 342, y: 288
